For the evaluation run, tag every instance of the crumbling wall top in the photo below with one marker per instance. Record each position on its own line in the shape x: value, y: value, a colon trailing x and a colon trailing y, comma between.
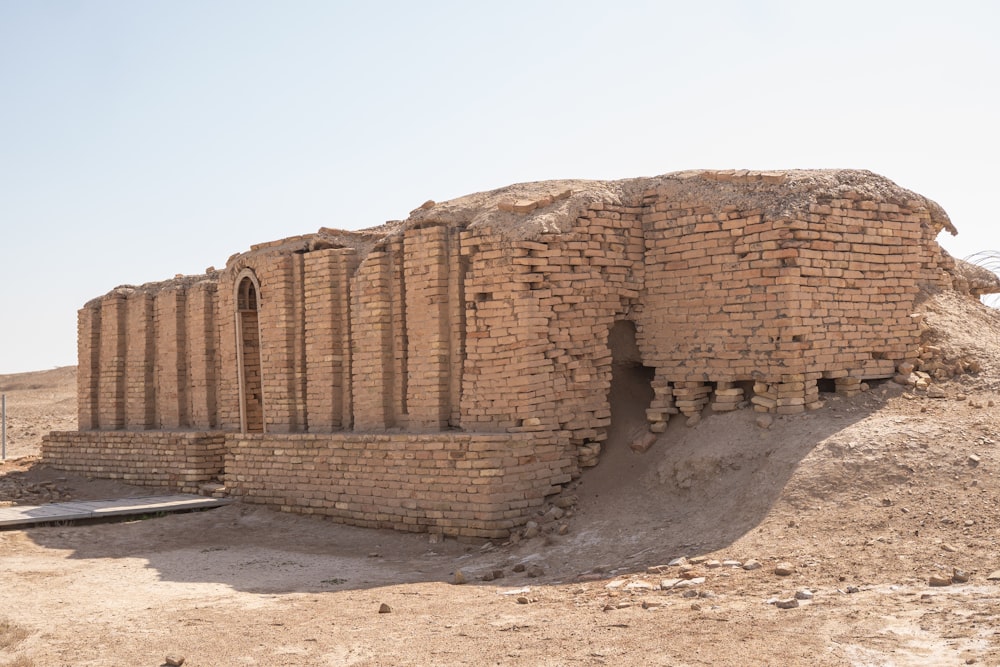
x: 530, y: 210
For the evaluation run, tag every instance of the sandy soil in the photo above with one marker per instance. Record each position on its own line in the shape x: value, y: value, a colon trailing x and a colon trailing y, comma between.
x: 866, y: 500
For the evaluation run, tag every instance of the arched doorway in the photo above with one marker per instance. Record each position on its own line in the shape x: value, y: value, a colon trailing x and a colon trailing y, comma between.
x: 248, y: 349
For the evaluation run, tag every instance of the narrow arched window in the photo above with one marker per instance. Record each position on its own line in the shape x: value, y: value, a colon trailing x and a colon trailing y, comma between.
x: 250, y: 368
x: 246, y: 298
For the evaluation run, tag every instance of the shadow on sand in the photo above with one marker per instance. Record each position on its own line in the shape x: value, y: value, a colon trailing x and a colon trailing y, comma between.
x: 696, y: 490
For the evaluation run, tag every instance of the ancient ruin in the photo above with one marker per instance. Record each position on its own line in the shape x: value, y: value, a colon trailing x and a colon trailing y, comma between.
x: 449, y: 372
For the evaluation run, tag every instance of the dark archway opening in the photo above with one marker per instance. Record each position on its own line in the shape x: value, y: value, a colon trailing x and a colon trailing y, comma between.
x: 631, y: 387
x: 251, y: 390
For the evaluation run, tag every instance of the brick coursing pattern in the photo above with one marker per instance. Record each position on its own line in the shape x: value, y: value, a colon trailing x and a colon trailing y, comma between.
x: 485, y: 321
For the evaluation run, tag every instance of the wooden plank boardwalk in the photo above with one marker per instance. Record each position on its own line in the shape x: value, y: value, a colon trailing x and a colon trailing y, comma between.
x: 26, y: 515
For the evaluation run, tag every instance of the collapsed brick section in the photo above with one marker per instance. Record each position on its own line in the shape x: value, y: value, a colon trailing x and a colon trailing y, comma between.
x: 485, y: 322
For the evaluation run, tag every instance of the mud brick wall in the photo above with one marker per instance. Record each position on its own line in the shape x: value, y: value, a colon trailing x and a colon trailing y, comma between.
x: 372, y: 351
x: 328, y: 337
x: 202, y: 356
x: 174, y: 461
x: 140, y: 386
x: 111, y: 384
x: 88, y: 341
x: 491, y: 316
x: 459, y: 484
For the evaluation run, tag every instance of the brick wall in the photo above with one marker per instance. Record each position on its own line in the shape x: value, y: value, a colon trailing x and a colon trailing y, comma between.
x: 173, y: 461
x: 460, y: 484
x: 492, y: 317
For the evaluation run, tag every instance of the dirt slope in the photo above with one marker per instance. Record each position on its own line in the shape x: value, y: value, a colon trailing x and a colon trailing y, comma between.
x: 866, y: 500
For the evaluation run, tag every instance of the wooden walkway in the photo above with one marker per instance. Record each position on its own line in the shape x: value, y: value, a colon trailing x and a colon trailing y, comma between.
x: 26, y: 515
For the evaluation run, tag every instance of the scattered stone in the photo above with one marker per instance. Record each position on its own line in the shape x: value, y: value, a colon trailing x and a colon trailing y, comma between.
x: 554, y: 514
x: 787, y: 603
x: 535, y: 571
x: 804, y: 594
x: 959, y: 576
x: 695, y: 606
x: 641, y: 444
x: 784, y: 569
x: 384, y: 609
x: 752, y: 564
x: 936, y: 392
x: 174, y: 660
x: 689, y: 594
x: 764, y: 420
x: 713, y: 563
x: 693, y: 420
x: 617, y: 583
x: 687, y: 583
x: 950, y: 548
x: 623, y: 605
x: 852, y: 589
x: 522, y: 600
x: 706, y: 594
x: 731, y: 563
x: 974, y: 459
x: 994, y: 576
x: 678, y: 561
x: 667, y: 584
x: 459, y: 577
x: 649, y: 604
x: 937, y: 580
x: 520, y: 567
x: 563, y: 529
x: 434, y: 538
x: 639, y: 586
x: 531, y: 530
x: 566, y: 502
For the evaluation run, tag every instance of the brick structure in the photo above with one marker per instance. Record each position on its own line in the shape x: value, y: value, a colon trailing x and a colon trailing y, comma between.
x: 448, y: 372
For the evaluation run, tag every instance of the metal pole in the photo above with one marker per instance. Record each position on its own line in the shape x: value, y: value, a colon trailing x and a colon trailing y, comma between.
x: 3, y: 427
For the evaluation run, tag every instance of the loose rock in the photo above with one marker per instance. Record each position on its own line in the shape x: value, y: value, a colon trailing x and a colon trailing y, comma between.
x: 787, y: 603
x: 459, y: 577
x: 384, y: 609
x: 784, y: 569
x: 937, y: 580
x: 174, y: 660
x: 752, y: 564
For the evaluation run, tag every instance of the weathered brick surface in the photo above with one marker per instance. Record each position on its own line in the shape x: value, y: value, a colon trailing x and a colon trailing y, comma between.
x: 460, y: 484
x: 492, y: 314
x: 175, y: 461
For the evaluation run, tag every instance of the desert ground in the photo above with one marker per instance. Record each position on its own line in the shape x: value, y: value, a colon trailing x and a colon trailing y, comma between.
x: 814, y: 541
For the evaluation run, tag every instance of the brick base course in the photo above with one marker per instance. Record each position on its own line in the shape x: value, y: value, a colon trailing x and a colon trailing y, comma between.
x: 458, y: 484
x: 179, y: 461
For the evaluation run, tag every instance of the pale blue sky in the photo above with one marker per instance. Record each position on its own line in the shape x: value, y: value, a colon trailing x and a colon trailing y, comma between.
x: 143, y: 139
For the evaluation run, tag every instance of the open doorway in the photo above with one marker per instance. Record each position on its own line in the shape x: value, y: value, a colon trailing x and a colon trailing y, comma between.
x: 248, y: 337
x: 631, y: 387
